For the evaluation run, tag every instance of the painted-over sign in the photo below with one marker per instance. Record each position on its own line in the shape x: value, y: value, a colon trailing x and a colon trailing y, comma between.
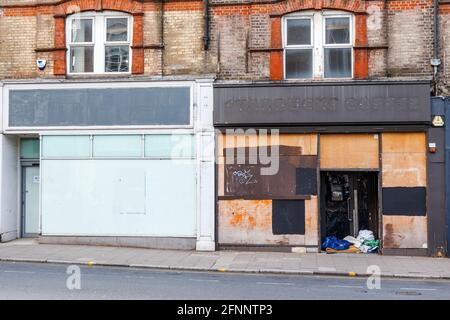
x: 396, y: 102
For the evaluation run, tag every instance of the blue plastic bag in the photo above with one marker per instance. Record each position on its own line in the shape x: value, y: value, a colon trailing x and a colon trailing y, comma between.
x: 336, y: 244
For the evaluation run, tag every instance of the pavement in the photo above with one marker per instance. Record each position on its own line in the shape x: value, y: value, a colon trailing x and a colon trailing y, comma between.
x: 341, y: 264
x: 20, y: 280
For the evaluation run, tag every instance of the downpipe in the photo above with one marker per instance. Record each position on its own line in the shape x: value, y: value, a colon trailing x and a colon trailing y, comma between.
x: 436, y: 62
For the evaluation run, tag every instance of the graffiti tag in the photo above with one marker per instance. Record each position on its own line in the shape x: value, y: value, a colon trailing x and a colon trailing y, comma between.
x: 245, y: 177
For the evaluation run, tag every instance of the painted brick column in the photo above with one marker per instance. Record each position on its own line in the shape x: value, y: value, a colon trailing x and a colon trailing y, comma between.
x: 361, y: 58
x: 137, y: 47
x: 59, y: 54
x: 276, y: 53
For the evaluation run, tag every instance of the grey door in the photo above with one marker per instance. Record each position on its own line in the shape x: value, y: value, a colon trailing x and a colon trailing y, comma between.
x: 30, y: 201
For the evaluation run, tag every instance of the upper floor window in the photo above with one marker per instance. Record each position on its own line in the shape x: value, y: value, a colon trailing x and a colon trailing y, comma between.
x: 318, y: 45
x: 99, y: 43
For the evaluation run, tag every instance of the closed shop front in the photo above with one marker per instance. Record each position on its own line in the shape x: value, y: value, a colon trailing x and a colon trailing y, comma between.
x: 317, y: 161
x: 121, y: 163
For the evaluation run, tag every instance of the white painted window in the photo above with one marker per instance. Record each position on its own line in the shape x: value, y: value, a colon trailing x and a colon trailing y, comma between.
x: 99, y: 42
x: 318, y: 44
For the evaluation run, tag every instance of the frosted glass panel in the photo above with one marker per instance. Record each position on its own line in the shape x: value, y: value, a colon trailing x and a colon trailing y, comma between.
x: 174, y: 146
x: 66, y: 146
x: 29, y: 148
x: 117, y: 146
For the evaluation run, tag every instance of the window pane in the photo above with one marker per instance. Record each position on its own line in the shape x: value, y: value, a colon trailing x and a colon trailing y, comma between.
x: 117, y: 29
x: 337, y: 30
x: 82, y: 59
x: 298, y: 31
x: 29, y: 148
x: 66, y: 146
x: 117, y: 146
x: 82, y: 30
x: 116, y: 59
x: 338, y: 63
x: 299, y: 63
x: 174, y: 146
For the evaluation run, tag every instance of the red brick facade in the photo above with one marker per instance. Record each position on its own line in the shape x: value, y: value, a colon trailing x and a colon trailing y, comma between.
x: 245, y: 38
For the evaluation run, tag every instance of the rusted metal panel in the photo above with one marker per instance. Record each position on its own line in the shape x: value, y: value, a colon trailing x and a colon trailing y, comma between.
x: 250, y: 222
x: 349, y: 151
x: 405, y: 232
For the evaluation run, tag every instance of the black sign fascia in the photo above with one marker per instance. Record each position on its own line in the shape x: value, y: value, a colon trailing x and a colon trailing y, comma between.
x: 322, y: 104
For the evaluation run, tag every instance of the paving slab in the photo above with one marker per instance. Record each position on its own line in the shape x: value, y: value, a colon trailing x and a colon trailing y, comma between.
x: 228, y: 261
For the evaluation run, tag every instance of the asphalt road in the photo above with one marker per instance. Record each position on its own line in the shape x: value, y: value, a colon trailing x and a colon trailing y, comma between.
x: 49, y: 281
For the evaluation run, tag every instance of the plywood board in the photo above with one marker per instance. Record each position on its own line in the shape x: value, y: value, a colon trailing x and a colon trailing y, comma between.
x: 405, y: 232
x: 404, y: 169
x: 404, y: 142
x: 349, y: 151
x: 404, y: 201
x: 312, y: 222
x: 249, y: 180
x: 308, y: 142
x: 249, y: 222
x: 288, y: 217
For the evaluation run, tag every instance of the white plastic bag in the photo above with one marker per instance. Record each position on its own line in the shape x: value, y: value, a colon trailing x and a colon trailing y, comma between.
x: 353, y: 241
x: 364, y: 235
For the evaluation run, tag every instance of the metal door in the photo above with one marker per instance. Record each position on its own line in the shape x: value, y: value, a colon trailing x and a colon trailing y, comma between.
x: 30, y: 201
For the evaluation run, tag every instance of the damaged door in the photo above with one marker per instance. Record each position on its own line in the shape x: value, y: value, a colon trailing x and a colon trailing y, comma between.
x: 349, y: 203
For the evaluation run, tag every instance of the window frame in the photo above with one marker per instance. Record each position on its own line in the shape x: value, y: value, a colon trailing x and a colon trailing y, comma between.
x: 287, y: 47
x: 99, y: 30
x: 107, y: 43
x: 318, y: 38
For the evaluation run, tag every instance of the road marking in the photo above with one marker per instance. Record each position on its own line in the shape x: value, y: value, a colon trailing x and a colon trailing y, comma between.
x: 342, y: 286
x: 419, y: 289
x: 16, y: 271
x: 276, y: 283
x: 204, y: 280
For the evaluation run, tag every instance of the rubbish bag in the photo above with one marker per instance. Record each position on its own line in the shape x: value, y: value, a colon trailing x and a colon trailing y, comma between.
x: 364, y: 235
x: 353, y: 241
x: 336, y: 244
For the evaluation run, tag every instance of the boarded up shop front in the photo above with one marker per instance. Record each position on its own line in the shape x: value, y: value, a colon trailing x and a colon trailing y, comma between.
x: 334, y: 177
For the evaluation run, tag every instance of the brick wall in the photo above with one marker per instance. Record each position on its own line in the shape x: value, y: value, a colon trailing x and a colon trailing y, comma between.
x: 17, y: 44
x: 410, y: 38
x: 444, y: 31
x: 395, y: 38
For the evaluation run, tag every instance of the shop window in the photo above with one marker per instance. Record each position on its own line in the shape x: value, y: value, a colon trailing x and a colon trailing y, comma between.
x: 318, y: 45
x: 66, y: 146
x: 99, y: 43
x: 170, y: 146
x: 117, y: 146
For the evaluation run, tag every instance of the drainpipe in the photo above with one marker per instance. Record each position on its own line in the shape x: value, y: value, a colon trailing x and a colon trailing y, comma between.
x: 206, y: 17
x: 161, y: 40
x: 436, y: 62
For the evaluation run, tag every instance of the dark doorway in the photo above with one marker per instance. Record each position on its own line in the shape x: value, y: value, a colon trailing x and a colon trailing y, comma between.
x: 349, y: 203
